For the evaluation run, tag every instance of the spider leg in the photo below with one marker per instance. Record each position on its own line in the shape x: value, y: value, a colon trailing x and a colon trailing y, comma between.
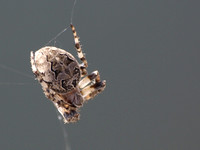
x: 88, y: 79
x: 33, y: 65
x: 92, y: 90
x: 84, y: 65
x: 91, y: 85
x: 68, y: 113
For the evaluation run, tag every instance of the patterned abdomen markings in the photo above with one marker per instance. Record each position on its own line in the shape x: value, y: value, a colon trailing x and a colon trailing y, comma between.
x: 59, y: 75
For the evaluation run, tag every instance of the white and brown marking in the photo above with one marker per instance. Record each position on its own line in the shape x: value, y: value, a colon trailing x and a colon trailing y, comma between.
x: 79, y: 51
x: 64, y: 80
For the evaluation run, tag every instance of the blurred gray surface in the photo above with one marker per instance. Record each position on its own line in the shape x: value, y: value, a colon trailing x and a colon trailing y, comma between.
x: 148, y: 51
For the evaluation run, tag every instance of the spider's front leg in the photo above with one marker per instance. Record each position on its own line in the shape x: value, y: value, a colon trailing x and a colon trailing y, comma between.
x: 91, y: 85
x: 84, y: 65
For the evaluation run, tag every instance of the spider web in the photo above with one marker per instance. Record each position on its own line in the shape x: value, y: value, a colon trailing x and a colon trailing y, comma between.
x: 10, y: 69
x: 65, y: 29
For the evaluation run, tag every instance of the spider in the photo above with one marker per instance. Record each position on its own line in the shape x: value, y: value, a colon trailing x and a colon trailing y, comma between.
x: 64, y: 81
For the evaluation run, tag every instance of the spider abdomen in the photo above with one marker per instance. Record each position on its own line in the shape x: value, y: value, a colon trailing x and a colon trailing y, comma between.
x: 58, y: 68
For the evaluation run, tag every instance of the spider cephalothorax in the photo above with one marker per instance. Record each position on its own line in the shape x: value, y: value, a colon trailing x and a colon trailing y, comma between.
x: 64, y: 81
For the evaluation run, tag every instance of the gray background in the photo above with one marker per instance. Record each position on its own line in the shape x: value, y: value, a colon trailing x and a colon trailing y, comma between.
x: 148, y: 51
